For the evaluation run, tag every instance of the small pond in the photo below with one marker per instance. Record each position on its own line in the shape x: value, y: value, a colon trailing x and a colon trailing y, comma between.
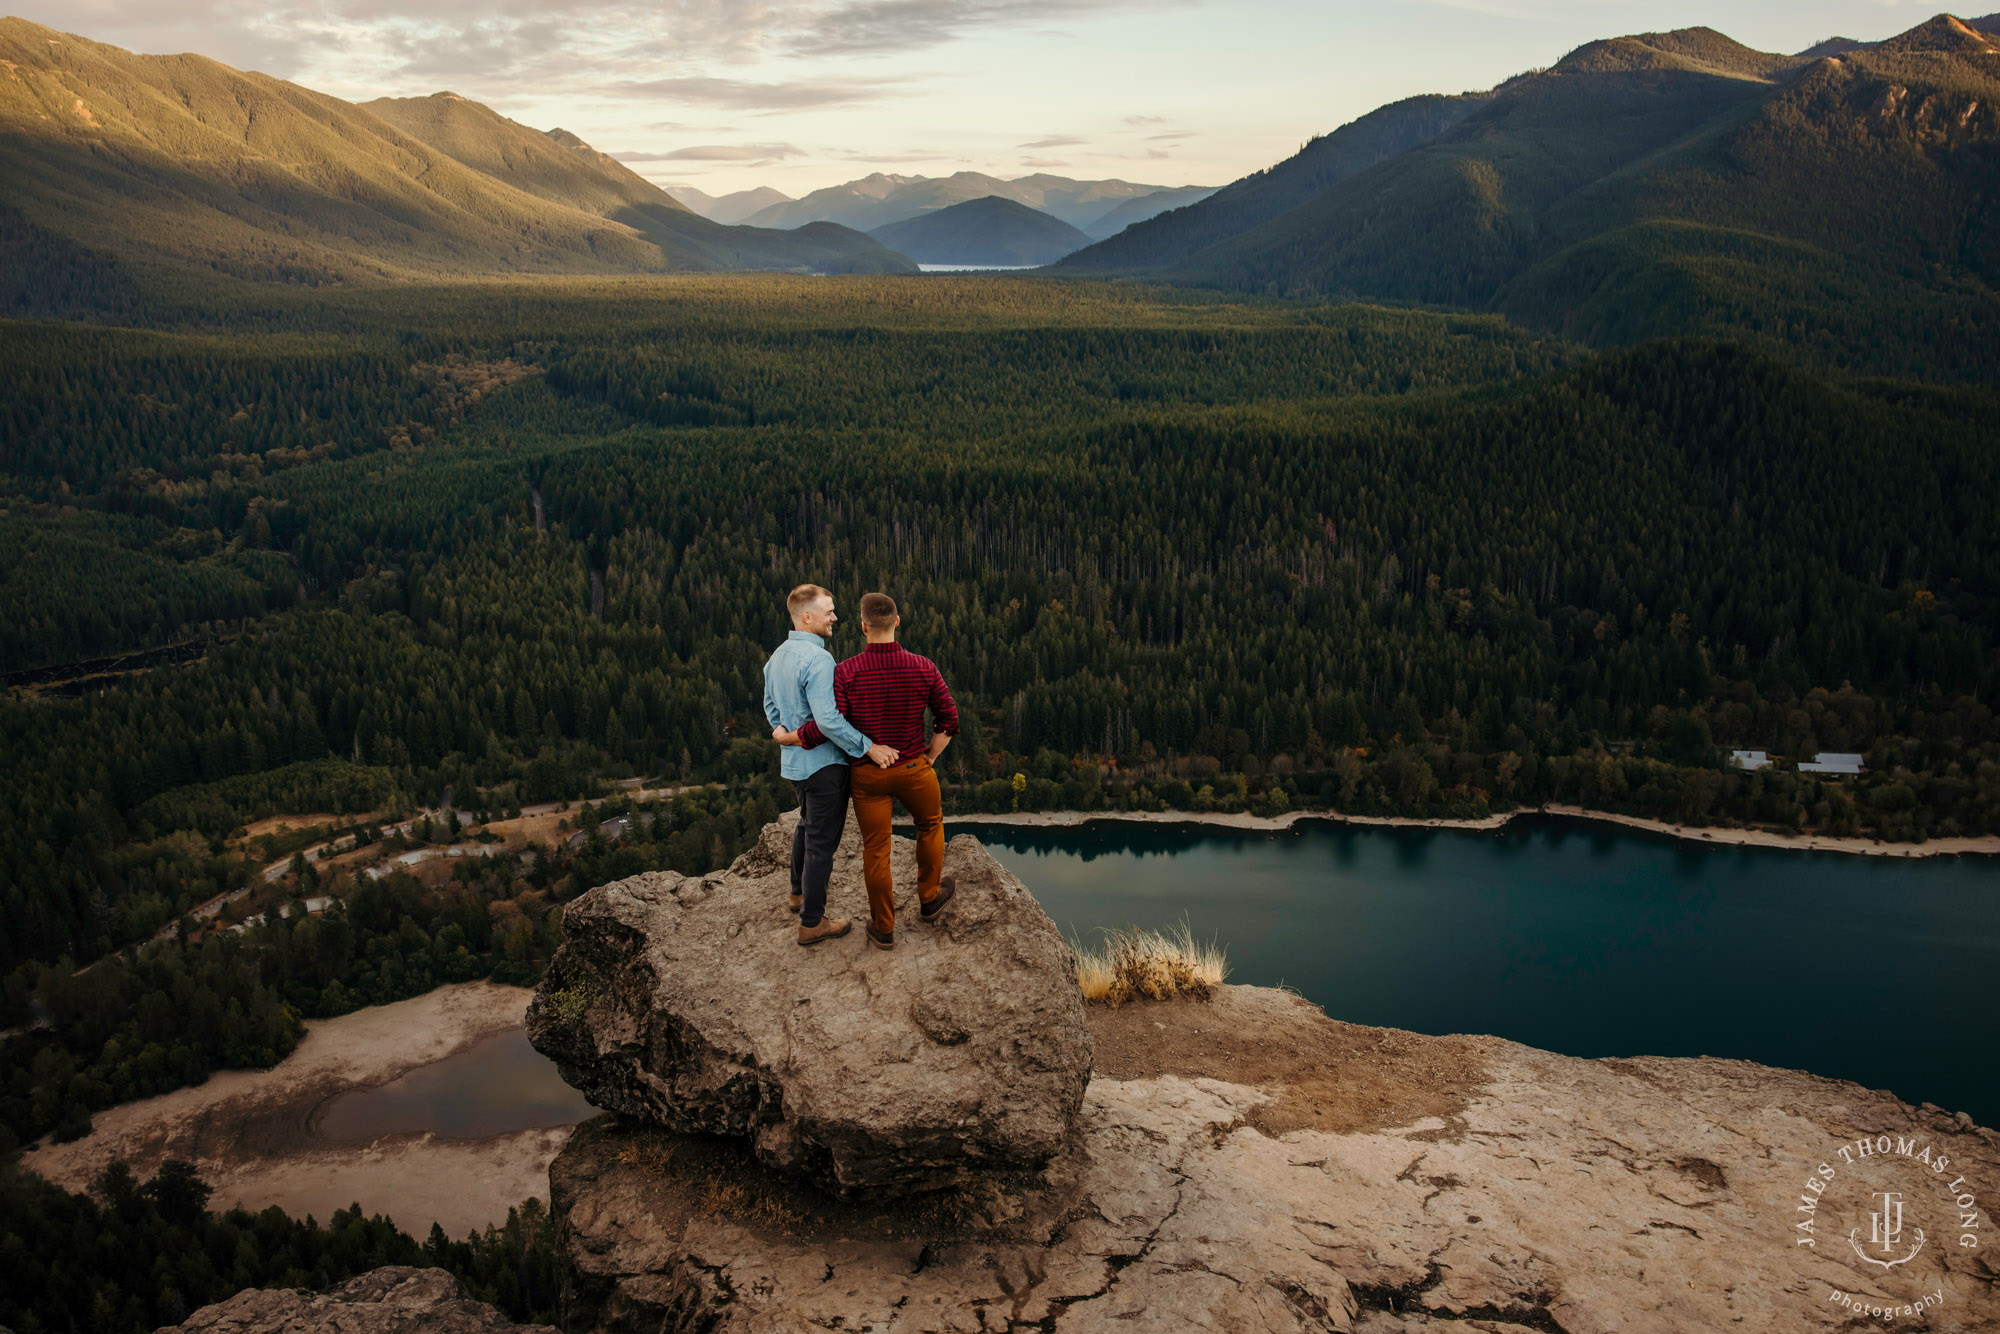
x: 493, y: 1087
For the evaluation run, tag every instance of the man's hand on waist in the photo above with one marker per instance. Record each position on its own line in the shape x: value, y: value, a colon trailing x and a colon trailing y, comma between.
x: 883, y: 756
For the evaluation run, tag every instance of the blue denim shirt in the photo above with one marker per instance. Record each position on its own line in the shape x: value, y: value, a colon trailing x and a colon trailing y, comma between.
x: 798, y: 684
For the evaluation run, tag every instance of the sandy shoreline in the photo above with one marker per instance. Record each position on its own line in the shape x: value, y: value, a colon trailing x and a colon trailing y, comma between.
x: 1985, y: 845
x: 248, y: 1130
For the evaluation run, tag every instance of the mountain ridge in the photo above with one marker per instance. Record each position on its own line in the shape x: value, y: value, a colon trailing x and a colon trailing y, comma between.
x: 1660, y: 185
x: 987, y: 232
x: 731, y: 208
x: 1325, y: 160
x: 881, y: 198
x: 167, y: 165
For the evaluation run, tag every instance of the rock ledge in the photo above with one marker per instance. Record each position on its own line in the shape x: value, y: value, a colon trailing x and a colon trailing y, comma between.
x: 1335, y: 1177
x: 395, y: 1299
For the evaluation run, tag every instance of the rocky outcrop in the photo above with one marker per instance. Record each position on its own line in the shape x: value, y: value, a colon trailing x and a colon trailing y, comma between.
x: 1252, y: 1165
x: 686, y: 1002
x: 393, y: 1300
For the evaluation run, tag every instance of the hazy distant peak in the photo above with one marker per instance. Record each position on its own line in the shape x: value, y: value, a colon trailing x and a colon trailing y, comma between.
x: 880, y: 198
x: 728, y: 209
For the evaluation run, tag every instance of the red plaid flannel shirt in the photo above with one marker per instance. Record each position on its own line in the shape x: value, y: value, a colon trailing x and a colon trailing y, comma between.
x: 883, y: 690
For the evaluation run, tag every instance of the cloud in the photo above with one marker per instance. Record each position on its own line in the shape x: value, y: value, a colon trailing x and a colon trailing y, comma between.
x: 496, y: 48
x: 1042, y: 162
x: 1145, y: 120
x: 1063, y: 141
x: 869, y: 26
x: 747, y: 95
x: 924, y: 155
x: 1177, y: 134
x: 718, y: 153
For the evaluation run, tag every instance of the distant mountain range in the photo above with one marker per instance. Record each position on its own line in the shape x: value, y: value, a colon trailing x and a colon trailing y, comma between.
x: 1145, y: 206
x: 990, y: 231
x: 1097, y: 208
x: 112, y: 162
x: 1657, y: 184
x: 1845, y: 199
x: 730, y: 208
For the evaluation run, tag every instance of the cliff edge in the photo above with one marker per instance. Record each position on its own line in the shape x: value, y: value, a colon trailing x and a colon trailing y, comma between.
x: 1253, y: 1165
x: 943, y: 1139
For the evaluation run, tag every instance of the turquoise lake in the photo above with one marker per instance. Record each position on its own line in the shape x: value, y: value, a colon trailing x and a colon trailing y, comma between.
x: 1576, y: 937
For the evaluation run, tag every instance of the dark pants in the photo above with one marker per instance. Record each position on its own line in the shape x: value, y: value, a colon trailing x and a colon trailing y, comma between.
x: 822, y: 817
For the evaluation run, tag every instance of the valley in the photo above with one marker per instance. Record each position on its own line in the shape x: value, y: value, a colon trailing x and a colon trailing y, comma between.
x: 399, y: 502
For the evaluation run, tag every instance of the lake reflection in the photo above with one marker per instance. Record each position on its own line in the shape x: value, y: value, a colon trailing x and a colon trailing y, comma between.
x: 1576, y: 937
x: 495, y: 1086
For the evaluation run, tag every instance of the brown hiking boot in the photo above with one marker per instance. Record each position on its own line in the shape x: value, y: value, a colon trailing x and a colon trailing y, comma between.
x: 828, y: 928
x: 881, y: 942
x: 798, y: 903
x: 933, y: 910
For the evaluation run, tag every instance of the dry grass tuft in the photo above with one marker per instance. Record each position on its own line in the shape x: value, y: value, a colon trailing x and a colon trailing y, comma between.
x: 1159, y: 965
x: 712, y: 1189
x: 653, y: 1155
x: 742, y: 1201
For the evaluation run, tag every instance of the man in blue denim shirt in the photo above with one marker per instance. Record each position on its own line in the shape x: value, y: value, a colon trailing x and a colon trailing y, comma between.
x: 798, y: 684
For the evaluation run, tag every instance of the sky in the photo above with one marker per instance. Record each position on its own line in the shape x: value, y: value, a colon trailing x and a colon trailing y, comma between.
x: 725, y: 95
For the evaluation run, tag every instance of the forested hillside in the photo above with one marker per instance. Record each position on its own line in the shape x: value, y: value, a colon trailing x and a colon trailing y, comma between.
x: 1657, y: 185
x: 133, y: 1255
x: 1156, y: 245
x: 123, y: 173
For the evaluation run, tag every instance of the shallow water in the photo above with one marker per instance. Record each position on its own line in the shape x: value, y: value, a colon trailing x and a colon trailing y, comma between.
x: 1576, y: 937
x: 495, y: 1086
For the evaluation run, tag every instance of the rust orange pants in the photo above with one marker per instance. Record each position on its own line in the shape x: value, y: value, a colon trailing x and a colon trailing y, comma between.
x: 914, y: 783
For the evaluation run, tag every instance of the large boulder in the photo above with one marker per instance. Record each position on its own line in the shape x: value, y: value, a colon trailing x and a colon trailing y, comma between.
x: 687, y: 1002
x: 395, y: 1299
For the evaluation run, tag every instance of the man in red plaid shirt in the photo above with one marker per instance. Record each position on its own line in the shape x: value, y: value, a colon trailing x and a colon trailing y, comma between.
x: 884, y: 691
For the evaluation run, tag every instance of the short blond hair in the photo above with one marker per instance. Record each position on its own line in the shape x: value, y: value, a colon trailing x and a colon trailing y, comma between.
x: 804, y: 596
